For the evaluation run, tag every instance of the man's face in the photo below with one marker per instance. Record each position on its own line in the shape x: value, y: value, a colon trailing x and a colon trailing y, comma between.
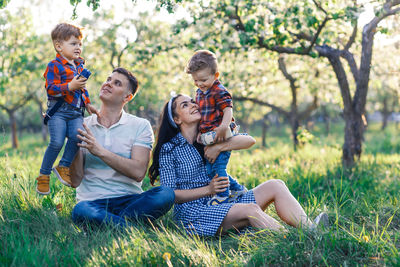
x: 115, y: 89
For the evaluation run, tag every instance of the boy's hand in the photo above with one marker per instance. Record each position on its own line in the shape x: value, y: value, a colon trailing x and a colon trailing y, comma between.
x: 77, y: 83
x: 198, y: 139
x: 220, y: 133
x: 91, y: 109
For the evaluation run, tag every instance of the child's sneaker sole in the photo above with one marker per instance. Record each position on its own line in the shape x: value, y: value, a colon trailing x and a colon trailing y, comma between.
x: 59, y: 177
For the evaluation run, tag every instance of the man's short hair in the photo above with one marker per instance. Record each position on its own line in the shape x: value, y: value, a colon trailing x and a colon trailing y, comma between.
x: 201, y: 60
x: 64, y: 31
x: 133, y: 83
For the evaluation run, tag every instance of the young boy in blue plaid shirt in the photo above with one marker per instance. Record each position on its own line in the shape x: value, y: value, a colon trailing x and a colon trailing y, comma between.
x: 67, y: 97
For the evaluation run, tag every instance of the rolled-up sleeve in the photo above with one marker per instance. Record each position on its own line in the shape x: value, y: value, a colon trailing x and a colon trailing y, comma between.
x: 167, y: 168
x: 223, y: 99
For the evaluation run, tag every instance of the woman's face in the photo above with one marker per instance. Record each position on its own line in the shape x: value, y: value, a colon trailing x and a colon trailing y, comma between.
x: 186, y: 111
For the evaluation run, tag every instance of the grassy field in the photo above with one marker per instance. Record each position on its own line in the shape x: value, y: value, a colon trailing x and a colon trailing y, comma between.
x: 363, y: 206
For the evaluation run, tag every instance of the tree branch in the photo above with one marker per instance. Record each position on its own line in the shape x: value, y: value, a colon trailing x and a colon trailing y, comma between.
x: 352, y: 37
x: 262, y: 103
x: 307, y: 112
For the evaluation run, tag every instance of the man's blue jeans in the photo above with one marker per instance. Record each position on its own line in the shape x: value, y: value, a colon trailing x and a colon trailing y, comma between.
x: 219, y: 167
x: 64, y: 123
x: 148, y: 205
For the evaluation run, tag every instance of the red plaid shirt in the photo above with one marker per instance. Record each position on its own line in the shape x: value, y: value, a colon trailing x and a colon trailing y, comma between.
x: 211, y: 104
x: 58, y: 74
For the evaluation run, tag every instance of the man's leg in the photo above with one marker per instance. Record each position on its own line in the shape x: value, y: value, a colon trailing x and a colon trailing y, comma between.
x: 151, y: 204
x: 96, y: 212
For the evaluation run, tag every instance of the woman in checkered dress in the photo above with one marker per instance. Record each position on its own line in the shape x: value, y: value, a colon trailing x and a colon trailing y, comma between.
x: 179, y: 161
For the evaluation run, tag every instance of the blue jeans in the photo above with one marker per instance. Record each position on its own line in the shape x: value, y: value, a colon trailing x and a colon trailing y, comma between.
x: 219, y: 167
x: 148, y: 205
x: 64, y: 123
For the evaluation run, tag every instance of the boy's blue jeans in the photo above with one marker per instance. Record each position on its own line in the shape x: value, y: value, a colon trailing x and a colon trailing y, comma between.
x: 151, y: 205
x: 219, y: 167
x: 64, y: 123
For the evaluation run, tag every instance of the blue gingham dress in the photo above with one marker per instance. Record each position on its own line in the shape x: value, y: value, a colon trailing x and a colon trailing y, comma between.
x: 182, y: 167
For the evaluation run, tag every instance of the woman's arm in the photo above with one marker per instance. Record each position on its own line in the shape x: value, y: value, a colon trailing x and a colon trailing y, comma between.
x: 217, y: 184
x: 234, y: 143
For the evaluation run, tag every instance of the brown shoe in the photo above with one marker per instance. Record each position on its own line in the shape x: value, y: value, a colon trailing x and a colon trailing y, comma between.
x: 63, y: 175
x: 42, y: 186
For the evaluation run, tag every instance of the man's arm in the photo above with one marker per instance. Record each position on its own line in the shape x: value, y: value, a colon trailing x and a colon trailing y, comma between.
x: 134, y: 168
x: 76, y: 169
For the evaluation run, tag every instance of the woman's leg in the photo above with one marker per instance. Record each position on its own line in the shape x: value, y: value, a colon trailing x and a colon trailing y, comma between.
x: 287, y: 207
x: 242, y: 215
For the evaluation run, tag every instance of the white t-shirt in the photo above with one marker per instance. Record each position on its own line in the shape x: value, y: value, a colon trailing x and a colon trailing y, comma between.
x: 100, y: 180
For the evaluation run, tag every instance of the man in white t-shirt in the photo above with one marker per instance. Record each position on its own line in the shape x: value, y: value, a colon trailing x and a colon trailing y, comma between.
x: 112, y: 162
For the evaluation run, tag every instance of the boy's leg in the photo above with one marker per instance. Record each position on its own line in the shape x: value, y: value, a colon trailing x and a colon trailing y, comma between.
x: 219, y: 167
x: 71, y: 148
x: 57, y: 131
x: 234, y: 185
x: 148, y: 205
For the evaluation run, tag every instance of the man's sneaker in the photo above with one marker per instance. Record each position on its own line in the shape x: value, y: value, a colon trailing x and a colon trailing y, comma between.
x: 216, y: 200
x: 42, y: 186
x: 63, y: 175
x: 322, y: 220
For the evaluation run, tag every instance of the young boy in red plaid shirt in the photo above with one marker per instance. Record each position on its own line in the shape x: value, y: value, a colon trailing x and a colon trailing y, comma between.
x: 64, y: 85
x: 217, y: 122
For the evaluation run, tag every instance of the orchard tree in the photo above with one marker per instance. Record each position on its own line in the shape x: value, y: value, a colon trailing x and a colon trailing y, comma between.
x: 21, y: 59
x: 317, y: 29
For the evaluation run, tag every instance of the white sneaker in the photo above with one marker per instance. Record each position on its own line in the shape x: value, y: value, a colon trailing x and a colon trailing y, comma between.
x: 322, y: 220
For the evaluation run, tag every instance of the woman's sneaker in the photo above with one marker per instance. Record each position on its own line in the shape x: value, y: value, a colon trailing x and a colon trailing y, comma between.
x: 321, y: 221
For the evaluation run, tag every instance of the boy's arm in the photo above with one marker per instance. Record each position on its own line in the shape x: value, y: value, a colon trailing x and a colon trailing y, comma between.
x: 236, y: 142
x: 54, y: 85
x: 224, y: 126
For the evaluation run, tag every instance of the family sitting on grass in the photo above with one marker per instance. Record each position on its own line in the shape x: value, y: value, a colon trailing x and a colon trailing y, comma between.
x: 107, y: 155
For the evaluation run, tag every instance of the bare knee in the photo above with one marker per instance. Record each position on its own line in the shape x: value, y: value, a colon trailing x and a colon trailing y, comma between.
x: 278, y: 184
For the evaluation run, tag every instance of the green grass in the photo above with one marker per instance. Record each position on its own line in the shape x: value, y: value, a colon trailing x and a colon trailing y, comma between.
x: 363, y: 206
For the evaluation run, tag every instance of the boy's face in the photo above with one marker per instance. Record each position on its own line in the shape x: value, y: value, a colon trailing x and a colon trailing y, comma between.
x: 70, y: 49
x: 204, y: 78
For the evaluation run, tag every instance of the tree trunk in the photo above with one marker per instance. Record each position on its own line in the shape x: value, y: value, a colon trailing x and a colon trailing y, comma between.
x: 385, y: 113
x: 44, y: 127
x: 294, y: 124
x: 264, y: 131
x: 326, y: 120
x: 13, y: 127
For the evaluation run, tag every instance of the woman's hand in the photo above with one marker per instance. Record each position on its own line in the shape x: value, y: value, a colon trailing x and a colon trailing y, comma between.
x: 218, y: 184
x: 211, y: 152
x: 89, y: 141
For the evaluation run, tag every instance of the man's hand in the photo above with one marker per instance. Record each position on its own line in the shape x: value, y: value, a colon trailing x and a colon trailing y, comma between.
x: 220, y: 133
x: 89, y: 141
x: 77, y: 83
x: 91, y: 109
x: 218, y: 184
